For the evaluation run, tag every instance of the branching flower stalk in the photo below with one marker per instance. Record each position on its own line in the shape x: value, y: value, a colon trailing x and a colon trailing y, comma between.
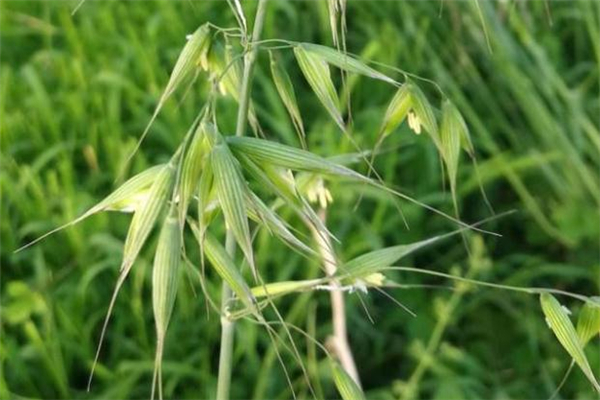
x: 228, y: 325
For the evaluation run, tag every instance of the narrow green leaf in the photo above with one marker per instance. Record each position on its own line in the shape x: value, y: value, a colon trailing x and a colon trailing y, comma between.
x: 345, y: 62
x: 284, y: 87
x: 231, y: 191
x: 345, y: 385
x: 316, y: 71
x: 565, y: 332
x: 588, y: 323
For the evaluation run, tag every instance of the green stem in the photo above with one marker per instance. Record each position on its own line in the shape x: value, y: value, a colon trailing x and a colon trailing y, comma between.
x: 227, y: 325
x: 227, y: 332
x: 249, y: 60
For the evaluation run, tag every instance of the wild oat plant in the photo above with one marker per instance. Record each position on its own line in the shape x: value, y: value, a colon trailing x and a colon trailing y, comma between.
x: 212, y: 175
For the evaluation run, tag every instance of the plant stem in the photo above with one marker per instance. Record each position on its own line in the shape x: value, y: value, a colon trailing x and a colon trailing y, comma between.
x: 227, y: 331
x: 338, y: 342
x: 227, y: 325
x: 249, y: 60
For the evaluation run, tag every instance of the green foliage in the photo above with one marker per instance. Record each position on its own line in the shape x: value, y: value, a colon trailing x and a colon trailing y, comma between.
x: 78, y: 91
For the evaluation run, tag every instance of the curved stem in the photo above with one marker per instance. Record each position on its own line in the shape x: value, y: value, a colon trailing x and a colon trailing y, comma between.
x: 338, y: 342
x: 228, y: 325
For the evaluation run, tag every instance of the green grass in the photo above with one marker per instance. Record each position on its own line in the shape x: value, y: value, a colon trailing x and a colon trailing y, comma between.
x: 77, y: 91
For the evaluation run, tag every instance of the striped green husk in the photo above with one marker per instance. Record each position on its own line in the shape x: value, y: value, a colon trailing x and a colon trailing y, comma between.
x: 588, y: 323
x: 231, y: 191
x: 272, y: 179
x: 285, y: 156
x: 374, y: 261
x: 261, y: 213
x: 345, y: 62
x: 226, y: 268
x: 204, y: 194
x: 565, y: 332
x: 192, y: 55
x: 285, y: 287
x: 284, y: 87
x: 125, y: 194
x: 165, y: 274
x: 191, y: 170
x: 451, y: 132
x: 144, y: 219
x: 316, y: 71
x: 126, y: 197
x: 424, y: 111
x: 345, y: 385
x: 397, y: 110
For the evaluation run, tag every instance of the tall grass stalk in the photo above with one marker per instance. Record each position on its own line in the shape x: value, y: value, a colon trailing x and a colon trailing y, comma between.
x: 227, y: 325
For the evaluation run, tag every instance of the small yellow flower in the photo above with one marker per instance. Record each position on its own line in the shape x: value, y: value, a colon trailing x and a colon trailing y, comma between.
x: 318, y: 192
x: 414, y: 122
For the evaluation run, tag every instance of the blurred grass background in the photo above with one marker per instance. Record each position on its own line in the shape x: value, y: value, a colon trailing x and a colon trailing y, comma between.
x: 77, y: 91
